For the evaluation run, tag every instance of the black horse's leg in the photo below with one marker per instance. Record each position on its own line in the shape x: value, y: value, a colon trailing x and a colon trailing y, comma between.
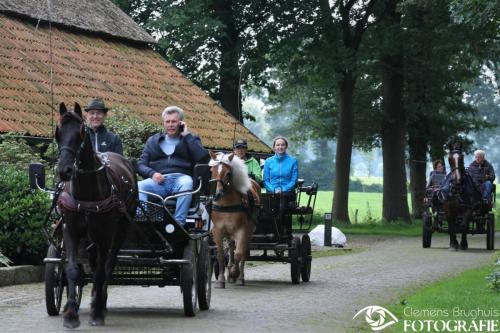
x: 116, y: 243
x: 453, y: 235
x: 71, y: 241
x: 464, y: 245
x: 96, y: 307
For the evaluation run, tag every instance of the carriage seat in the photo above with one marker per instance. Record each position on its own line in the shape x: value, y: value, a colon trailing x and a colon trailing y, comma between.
x: 311, y: 191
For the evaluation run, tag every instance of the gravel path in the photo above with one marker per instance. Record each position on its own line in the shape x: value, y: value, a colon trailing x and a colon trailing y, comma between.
x: 339, y: 287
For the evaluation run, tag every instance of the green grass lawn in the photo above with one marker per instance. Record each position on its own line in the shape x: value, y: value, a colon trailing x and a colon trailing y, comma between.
x: 460, y: 297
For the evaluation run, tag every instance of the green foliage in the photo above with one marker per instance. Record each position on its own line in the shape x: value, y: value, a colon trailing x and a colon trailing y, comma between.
x: 494, y: 278
x: 22, y: 215
x: 132, y: 131
x: 15, y: 151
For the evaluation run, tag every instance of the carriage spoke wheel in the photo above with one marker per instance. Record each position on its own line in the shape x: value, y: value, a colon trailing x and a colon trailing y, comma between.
x: 490, y: 232
x: 54, y: 283
x: 426, y: 230
x: 204, y: 276
x: 294, y: 254
x: 305, y: 270
x: 188, y: 282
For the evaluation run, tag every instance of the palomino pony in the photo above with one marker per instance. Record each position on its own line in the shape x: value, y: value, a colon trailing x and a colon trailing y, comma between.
x: 461, y: 199
x: 99, y: 198
x: 234, y: 213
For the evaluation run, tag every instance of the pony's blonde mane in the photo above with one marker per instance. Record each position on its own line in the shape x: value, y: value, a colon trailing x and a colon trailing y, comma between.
x: 241, y: 180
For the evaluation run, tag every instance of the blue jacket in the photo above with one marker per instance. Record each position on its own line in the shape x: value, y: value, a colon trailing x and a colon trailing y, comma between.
x: 281, y: 172
x: 187, y: 153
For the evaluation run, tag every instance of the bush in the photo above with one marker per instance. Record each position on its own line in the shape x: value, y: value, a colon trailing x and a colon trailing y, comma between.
x: 16, y: 152
x: 132, y: 131
x: 494, y: 277
x: 22, y: 215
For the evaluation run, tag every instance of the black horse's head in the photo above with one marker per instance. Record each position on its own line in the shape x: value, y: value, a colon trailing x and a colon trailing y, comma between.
x: 70, y: 135
x: 456, y: 161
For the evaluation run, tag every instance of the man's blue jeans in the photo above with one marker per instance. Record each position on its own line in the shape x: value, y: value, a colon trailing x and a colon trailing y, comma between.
x: 487, y: 188
x: 174, y: 182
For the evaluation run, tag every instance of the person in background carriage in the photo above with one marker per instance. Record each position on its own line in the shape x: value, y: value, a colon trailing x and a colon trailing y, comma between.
x: 436, y: 177
x: 437, y: 174
x: 167, y: 161
x: 102, y: 140
x: 483, y: 174
x: 241, y: 150
x: 281, y: 171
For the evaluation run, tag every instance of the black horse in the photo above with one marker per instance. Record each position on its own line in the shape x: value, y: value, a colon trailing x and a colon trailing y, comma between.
x: 98, y: 202
x: 460, y: 197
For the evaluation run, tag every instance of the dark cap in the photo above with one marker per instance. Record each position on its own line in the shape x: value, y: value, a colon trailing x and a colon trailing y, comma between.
x: 240, y: 143
x: 96, y: 104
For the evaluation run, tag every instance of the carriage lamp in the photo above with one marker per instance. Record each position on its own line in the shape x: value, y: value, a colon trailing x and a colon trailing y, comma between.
x: 328, y: 229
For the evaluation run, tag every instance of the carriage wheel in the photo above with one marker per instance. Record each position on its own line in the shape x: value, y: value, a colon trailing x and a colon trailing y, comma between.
x: 54, y: 282
x: 426, y: 230
x: 188, y: 282
x: 305, y: 271
x: 204, y: 283
x: 490, y: 232
x: 294, y: 254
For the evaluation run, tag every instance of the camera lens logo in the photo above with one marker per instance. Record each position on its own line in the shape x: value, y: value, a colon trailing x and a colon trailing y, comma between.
x: 377, y: 317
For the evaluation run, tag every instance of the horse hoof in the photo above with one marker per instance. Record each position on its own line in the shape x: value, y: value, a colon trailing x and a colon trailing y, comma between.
x: 240, y: 282
x: 96, y: 322
x: 219, y: 285
x: 231, y: 279
x: 71, y: 324
x: 464, y: 246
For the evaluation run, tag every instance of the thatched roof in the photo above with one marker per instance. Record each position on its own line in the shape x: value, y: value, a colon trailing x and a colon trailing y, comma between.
x: 130, y: 76
x: 97, y: 16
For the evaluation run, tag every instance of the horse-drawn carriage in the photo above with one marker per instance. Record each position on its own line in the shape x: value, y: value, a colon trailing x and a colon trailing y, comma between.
x: 157, y: 250
x: 281, y: 233
x: 463, y: 212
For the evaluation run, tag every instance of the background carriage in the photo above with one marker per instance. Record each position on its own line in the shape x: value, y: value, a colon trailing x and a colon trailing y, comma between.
x: 482, y: 220
x: 157, y: 251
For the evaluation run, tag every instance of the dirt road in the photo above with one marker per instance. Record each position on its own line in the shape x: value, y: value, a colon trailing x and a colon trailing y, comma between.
x: 339, y: 287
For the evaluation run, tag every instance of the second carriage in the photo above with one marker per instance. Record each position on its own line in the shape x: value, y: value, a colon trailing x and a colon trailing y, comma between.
x: 281, y: 233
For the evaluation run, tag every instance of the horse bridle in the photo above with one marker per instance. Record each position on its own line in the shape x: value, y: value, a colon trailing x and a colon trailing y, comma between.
x: 83, y: 134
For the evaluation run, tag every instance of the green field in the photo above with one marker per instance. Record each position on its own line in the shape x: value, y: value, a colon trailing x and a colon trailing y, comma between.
x: 367, y: 205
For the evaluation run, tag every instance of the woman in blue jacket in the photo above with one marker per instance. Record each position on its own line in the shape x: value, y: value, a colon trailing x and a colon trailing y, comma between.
x: 281, y: 171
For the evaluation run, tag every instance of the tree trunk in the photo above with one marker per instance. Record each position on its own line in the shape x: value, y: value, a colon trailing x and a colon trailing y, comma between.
x: 229, y: 71
x: 340, y: 211
x: 395, y: 200
x: 418, y: 162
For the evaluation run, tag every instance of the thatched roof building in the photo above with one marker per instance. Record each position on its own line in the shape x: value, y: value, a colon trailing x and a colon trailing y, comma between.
x: 94, y: 49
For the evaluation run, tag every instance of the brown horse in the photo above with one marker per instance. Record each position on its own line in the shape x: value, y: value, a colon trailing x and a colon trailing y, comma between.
x: 460, y: 199
x: 234, y: 213
x: 97, y: 204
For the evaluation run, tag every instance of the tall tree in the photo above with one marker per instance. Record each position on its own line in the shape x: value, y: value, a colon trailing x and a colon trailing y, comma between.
x: 218, y: 44
x: 395, y: 203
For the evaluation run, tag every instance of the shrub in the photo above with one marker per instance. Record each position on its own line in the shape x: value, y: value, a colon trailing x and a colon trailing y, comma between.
x: 22, y: 214
x: 16, y: 152
x: 494, y: 277
x: 132, y: 131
